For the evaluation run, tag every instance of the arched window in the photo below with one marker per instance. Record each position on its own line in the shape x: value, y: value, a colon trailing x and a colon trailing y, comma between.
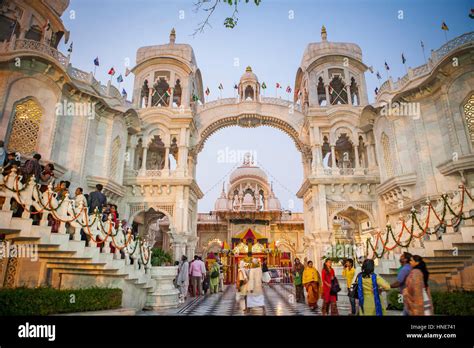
x: 114, y: 158
x: 337, y: 91
x: 469, y: 116
x: 34, y: 33
x: 25, y: 127
x: 387, y: 155
x: 248, y: 93
x: 321, y: 93
x: 161, y: 93
x: 7, y: 26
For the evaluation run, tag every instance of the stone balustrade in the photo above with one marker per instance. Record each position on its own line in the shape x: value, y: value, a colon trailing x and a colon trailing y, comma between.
x: 425, y: 69
x: 38, y: 47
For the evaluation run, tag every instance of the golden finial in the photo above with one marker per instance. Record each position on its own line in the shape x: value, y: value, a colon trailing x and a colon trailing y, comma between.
x: 248, y: 69
x: 324, y: 34
x: 172, y: 36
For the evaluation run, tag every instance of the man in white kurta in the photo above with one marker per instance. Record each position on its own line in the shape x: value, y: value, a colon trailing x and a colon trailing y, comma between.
x: 255, y: 296
x: 183, y: 277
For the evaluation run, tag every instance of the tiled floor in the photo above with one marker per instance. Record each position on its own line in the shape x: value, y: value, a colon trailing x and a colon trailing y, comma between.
x: 279, y: 300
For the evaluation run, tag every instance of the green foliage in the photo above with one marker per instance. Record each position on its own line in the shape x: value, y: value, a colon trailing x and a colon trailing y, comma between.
x: 394, y: 301
x: 46, y: 301
x: 453, y: 303
x: 444, y: 303
x: 159, y: 257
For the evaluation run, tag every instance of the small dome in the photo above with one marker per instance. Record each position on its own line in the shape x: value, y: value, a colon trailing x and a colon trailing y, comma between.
x: 273, y: 203
x: 221, y: 202
x: 248, y: 76
x: 247, y: 169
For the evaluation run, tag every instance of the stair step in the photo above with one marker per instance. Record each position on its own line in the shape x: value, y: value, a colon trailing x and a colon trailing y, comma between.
x: 464, y: 246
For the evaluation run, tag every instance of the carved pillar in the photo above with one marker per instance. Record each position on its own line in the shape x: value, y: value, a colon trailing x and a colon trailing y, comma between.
x: 348, y: 91
x: 328, y: 100
x: 145, y: 150
x: 333, y: 157
x: 167, y: 158
x: 356, y: 154
x: 150, y: 91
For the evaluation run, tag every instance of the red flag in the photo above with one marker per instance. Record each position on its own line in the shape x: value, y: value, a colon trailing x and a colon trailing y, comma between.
x: 111, y: 71
x: 288, y: 89
x: 278, y: 85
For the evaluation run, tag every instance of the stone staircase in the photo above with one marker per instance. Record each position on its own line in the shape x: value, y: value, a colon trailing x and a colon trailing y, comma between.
x: 450, y: 260
x: 67, y: 264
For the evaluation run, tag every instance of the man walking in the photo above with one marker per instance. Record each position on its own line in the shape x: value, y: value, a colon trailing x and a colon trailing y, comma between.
x: 197, y: 271
x: 403, y: 273
x: 183, y: 277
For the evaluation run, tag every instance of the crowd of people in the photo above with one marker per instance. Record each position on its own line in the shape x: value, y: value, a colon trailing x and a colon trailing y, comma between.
x: 195, y: 279
x: 44, y: 176
x: 364, y: 289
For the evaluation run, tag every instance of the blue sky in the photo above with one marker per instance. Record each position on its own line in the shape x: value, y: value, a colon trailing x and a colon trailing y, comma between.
x: 271, y: 38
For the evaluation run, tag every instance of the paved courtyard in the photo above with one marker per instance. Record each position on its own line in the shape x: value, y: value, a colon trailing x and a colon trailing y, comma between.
x: 279, y: 301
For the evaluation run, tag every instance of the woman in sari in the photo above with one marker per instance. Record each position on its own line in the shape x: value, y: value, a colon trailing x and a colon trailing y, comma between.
x: 416, y: 294
x: 298, y: 270
x: 329, y: 299
x: 370, y: 285
x: 311, y: 282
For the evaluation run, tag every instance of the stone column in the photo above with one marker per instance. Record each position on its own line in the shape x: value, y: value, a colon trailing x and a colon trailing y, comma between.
x: 356, y: 154
x: 143, y: 168
x: 348, y: 91
x: 167, y: 158
x: 333, y: 157
x: 150, y: 91
x: 328, y: 100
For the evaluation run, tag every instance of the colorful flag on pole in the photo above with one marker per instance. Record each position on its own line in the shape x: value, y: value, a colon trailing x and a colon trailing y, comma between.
x: 195, y: 97
x: 378, y: 76
x: 124, y: 92
x: 96, y: 61
x: 278, y: 85
x: 444, y: 26
x: 264, y: 86
x: 422, y: 44
x: 208, y: 91
x: 386, y: 66
x: 168, y: 92
x: 70, y: 48
x: 403, y: 59
x: 471, y: 15
x: 288, y: 89
x: 376, y: 90
x: 220, y: 86
x: 120, y: 78
x: 236, y: 87
x: 111, y: 71
x: 127, y: 72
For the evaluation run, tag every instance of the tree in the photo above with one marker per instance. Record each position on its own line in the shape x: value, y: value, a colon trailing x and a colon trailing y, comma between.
x: 209, y: 6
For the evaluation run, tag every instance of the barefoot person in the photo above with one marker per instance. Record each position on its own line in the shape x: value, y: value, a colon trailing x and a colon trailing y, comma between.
x: 311, y: 282
x: 242, y: 281
x: 255, y: 297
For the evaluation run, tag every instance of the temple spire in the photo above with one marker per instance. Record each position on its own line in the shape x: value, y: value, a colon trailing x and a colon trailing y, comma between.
x: 324, y: 34
x: 172, y: 36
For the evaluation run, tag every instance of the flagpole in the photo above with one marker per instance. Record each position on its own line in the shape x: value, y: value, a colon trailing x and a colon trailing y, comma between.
x: 423, y: 49
x: 445, y: 35
x: 95, y: 67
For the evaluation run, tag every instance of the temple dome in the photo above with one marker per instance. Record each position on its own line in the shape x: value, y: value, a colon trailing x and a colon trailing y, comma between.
x: 221, y: 202
x: 248, y: 76
x: 248, y: 171
x: 273, y: 203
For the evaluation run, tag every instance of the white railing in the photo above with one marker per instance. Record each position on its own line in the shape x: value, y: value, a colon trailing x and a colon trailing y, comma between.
x: 425, y: 69
x: 71, y: 218
x: 32, y: 45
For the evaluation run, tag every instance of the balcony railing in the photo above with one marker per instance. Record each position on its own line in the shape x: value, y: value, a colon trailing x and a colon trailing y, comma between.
x: 425, y: 69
